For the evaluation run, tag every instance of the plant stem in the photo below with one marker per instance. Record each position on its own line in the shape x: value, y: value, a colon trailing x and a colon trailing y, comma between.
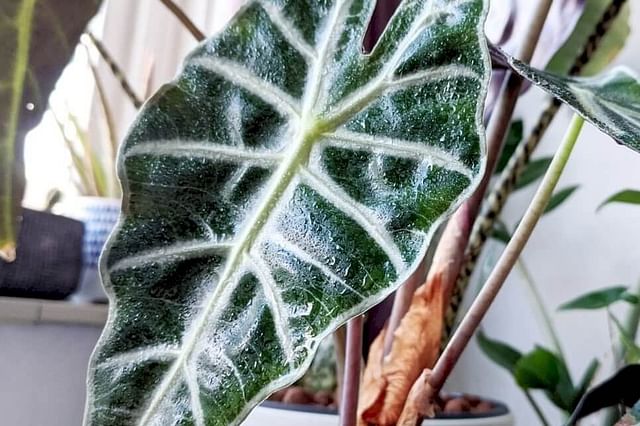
x: 115, y: 70
x: 402, y: 302
x: 536, y: 407
x: 184, y: 19
x: 512, y: 252
x: 352, y: 367
x: 537, y: 297
x: 631, y: 324
x: 501, y: 190
x: 339, y: 345
x: 461, y: 223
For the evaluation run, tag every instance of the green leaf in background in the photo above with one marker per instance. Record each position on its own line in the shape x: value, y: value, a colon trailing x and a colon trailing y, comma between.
x: 600, y: 299
x: 628, y: 196
x: 560, y: 197
x: 514, y: 137
x: 322, y: 373
x: 611, y: 101
x: 283, y: 183
x: 534, y: 171
x: 500, y: 232
x: 586, y: 381
x: 37, y: 39
x: 611, y: 44
x: 632, y: 350
x: 544, y: 370
x: 538, y: 369
x: 499, y: 352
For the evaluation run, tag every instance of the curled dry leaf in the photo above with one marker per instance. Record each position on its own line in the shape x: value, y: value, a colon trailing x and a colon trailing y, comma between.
x: 388, y: 380
x: 373, y: 382
x: 417, y: 405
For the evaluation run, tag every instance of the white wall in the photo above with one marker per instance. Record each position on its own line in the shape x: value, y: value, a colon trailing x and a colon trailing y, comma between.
x: 42, y: 373
x: 572, y: 251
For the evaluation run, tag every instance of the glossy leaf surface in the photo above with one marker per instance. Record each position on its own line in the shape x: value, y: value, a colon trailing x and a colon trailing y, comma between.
x: 283, y: 183
x: 611, y: 101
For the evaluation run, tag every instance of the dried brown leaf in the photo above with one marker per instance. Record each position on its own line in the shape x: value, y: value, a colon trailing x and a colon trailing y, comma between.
x: 416, y: 346
x: 417, y: 406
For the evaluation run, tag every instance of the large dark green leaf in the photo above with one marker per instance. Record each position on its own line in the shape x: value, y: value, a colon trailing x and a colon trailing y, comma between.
x: 600, y: 299
x: 611, y: 101
x: 628, y: 196
x: 283, y: 183
x: 622, y: 388
x: 37, y: 38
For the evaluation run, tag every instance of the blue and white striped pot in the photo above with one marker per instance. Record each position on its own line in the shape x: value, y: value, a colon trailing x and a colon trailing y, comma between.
x: 99, y: 216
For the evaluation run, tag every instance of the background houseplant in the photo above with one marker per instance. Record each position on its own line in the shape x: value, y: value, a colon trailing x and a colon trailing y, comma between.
x: 549, y: 362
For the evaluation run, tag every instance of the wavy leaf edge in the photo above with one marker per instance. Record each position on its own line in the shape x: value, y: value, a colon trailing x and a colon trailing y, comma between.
x: 297, y: 373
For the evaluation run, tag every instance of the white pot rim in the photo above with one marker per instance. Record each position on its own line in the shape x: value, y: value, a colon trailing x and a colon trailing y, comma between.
x: 294, y: 415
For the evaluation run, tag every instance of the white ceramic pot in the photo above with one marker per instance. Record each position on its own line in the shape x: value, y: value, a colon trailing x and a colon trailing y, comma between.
x: 270, y: 414
x: 99, y: 216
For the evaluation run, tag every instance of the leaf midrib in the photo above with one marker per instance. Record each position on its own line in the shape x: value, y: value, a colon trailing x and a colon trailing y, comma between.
x: 297, y: 156
x: 311, y: 129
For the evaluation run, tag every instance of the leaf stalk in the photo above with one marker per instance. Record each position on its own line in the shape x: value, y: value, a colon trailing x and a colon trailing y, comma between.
x: 352, y: 367
x: 487, y: 295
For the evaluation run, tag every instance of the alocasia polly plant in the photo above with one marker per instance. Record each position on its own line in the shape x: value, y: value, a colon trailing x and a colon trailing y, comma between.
x: 282, y: 183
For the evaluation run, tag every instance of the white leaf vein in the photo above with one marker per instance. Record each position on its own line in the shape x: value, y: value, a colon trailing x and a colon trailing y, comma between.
x: 359, y: 213
x: 276, y: 304
x: 384, y: 79
x: 190, y: 377
x: 306, y: 257
x: 178, y: 251
x: 444, y: 72
x: 204, y: 149
x: 303, y: 113
x: 289, y: 31
x: 329, y: 37
x: 138, y: 356
x: 240, y: 76
x: 233, y: 182
x: 398, y: 148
